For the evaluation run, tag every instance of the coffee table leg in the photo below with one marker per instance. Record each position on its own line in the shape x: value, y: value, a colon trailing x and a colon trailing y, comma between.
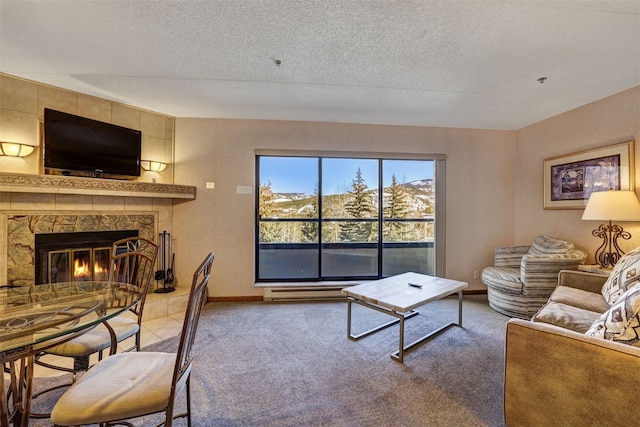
x: 460, y: 308
x: 349, y: 318
x: 398, y: 317
x: 399, y: 355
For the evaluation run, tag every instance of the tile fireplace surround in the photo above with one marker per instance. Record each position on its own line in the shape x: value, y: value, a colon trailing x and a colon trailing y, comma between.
x: 22, y: 229
x: 33, y: 204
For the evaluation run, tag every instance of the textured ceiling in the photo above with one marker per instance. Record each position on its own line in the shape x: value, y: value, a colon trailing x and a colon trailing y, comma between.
x: 450, y: 63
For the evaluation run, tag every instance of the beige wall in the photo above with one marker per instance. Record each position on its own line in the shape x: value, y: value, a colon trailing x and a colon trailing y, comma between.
x: 22, y: 104
x: 479, y: 185
x: 610, y: 120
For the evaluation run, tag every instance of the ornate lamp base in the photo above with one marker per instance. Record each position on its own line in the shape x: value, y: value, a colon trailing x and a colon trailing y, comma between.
x: 608, y: 254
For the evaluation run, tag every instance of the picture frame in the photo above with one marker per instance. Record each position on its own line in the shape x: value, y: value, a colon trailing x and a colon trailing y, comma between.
x: 570, y: 179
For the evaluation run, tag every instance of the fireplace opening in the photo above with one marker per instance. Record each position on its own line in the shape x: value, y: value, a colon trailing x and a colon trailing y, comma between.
x: 75, y: 257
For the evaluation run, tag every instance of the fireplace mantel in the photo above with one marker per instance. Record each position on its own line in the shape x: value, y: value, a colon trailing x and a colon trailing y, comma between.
x: 58, y: 184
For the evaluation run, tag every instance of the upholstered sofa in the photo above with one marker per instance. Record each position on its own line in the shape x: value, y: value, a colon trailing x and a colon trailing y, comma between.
x: 522, y: 277
x: 577, y: 361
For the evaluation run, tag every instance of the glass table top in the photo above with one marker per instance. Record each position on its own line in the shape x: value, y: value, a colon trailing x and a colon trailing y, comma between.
x: 34, y: 315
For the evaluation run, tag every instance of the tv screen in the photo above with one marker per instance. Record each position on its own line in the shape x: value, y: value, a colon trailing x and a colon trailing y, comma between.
x: 73, y: 143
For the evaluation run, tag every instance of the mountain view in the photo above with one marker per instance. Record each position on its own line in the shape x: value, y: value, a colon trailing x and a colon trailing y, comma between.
x: 419, y: 196
x: 347, y: 217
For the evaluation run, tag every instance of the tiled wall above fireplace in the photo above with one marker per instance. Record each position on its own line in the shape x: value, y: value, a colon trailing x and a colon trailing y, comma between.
x: 22, y: 104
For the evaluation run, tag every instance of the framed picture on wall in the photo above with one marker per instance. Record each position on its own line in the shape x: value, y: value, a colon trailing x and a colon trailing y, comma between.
x: 570, y: 179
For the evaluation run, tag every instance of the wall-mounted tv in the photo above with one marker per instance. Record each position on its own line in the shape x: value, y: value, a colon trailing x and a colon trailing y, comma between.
x: 77, y: 144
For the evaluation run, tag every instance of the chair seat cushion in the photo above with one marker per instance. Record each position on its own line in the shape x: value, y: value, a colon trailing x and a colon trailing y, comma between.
x: 97, y: 338
x: 122, y: 386
x: 579, y: 298
x: 505, y: 279
x: 566, y: 316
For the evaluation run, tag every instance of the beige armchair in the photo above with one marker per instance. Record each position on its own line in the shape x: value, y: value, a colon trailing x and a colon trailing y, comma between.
x: 523, y: 277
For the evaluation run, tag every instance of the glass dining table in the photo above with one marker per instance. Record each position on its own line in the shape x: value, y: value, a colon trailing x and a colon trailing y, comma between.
x: 34, y: 318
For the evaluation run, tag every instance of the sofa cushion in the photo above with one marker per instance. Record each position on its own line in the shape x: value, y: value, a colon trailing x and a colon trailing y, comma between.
x: 566, y: 316
x: 546, y: 245
x: 585, y: 300
x: 625, y: 275
x: 622, y: 321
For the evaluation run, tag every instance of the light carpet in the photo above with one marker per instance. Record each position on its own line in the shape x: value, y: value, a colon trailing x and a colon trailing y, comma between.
x: 291, y: 364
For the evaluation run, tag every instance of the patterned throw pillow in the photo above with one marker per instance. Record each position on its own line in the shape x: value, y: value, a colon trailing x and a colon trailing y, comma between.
x: 625, y: 275
x: 545, y: 245
x: 622, y: 321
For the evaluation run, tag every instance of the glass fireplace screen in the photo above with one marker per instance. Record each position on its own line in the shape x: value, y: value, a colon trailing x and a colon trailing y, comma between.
x: 79, y: 265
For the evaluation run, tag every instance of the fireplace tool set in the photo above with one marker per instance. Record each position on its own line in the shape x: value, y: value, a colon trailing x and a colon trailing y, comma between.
x: 165, y: 273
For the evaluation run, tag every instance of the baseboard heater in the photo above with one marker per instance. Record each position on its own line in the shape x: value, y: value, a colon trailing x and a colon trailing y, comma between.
x: 311, y: 293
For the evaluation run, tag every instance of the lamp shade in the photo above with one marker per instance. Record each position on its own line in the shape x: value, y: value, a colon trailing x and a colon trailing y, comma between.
x: 153, y: 166
x: 612, y: 206
x: 15, y: 149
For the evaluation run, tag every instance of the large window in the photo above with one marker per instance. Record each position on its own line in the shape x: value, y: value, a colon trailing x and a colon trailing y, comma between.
x: 336, y: 218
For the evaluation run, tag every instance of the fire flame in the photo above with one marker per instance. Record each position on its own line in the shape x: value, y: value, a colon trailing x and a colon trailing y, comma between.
x: 100, y: 272
x: 98, y: 269
x: 82, y: 270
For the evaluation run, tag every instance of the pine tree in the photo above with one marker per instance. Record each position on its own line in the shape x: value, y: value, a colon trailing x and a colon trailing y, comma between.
x: 358, y: 206
x: 310, y: 229
x: 396, y: 206
x: 269, y: 232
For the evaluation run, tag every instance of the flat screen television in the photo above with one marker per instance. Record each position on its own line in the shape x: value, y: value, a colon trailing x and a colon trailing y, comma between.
x: 77, y: 144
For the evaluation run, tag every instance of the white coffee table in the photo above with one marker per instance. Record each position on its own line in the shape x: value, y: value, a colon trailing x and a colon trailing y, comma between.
x: 396, y: 297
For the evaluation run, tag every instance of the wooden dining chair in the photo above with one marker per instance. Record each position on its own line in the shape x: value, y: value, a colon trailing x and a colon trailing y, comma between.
x: 132, y: 261
x: 135, y: 384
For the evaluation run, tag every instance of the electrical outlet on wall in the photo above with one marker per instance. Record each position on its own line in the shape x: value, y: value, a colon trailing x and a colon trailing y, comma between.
x: 476, y: 274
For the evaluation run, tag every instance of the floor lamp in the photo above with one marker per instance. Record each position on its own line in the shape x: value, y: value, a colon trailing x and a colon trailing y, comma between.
x: 611, y: 206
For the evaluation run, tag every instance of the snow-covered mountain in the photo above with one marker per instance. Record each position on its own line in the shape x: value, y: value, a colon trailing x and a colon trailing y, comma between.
x: 419, y: 196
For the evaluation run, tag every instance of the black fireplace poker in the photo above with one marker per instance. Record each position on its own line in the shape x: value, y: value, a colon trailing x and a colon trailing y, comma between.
x: 165, y: 274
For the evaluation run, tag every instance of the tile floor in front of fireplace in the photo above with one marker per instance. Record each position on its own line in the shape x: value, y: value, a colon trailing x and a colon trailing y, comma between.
x: 153, y: 331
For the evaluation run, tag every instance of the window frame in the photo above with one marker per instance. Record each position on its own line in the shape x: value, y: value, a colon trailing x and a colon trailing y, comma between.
x: 439, y: 211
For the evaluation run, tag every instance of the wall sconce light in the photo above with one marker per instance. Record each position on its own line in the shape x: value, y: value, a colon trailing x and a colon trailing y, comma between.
x: 607, y: 206
x: 152, y: 165
x: 15, y: 149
